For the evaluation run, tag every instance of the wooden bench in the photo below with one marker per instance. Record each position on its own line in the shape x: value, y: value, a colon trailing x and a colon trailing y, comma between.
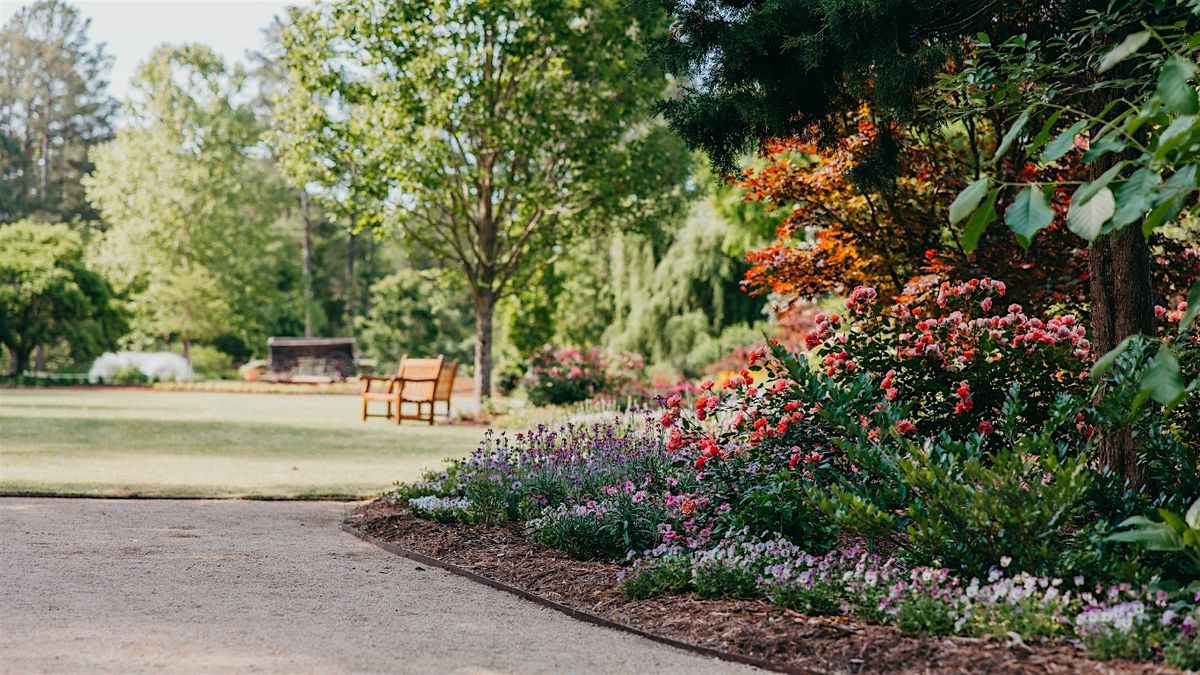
x: 415, y: 381
x: 445, y: 385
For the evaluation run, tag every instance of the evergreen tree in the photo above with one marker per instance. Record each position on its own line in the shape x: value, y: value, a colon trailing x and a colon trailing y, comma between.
x: 53, y: 107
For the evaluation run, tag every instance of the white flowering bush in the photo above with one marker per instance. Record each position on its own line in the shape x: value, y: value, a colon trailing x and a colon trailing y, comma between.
x: 441, y: 509
x: 1118, y: 621
x: 153, y: 366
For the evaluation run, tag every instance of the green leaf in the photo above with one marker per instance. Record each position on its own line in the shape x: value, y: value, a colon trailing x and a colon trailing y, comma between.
x: 1174, y: 87
x: 979, y: 221
x: 1102, y: 146
x: 1137, y: 520
x: 1063, y: 142
x: 1135, y: 197
x: 1044, y: 135
x: 1089, y: 190
x: 1131, y: 43
x: 1012, y: 134
x: 1087, y: 219
x: 967, y: 200
x: 1105, y: 363
x: 1151, y: 535
x: 1172, y: 198
x: 1193, y: 308
x: 1173, y: 521
x: 1163, y: 380
x: 1028, y: 214
x: 1178, y: 132
x: 1192, y: 517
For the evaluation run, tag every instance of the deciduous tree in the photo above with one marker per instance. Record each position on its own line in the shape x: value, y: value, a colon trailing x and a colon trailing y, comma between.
x: 497, y: 131
x: 190, y: 207
x: 48, y: 294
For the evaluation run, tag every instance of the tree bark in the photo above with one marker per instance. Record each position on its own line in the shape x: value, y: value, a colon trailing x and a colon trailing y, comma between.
x: 485, y: 308
x: 39, y: 358
x: 44, y: 187
x: 20, y: 359
x: 1122, y: 304
x: 351, y: 296
x: 306, y: 258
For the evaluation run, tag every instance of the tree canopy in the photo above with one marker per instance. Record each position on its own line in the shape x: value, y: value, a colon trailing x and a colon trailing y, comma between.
x: 189, y: 207
x: 48, y: 294
x: 53, y: 106
x: 498, y: 132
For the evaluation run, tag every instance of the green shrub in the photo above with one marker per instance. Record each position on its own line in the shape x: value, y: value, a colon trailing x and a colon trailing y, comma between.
x: 211, y: 363
x: 666, y: 575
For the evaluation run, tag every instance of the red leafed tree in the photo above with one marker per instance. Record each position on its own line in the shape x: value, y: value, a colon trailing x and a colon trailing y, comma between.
x: 848, y: 217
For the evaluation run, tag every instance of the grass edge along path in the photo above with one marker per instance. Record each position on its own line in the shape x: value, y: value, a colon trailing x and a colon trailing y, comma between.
x: 145, y: 443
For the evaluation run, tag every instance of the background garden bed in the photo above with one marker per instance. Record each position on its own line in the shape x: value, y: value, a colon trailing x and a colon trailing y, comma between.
x: 750, y: 628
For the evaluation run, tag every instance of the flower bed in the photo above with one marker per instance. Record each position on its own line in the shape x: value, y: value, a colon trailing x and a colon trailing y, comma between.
x: 750, y: 627
x: 929, y: 469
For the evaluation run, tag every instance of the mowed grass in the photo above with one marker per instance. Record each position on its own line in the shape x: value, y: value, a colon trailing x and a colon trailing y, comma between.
x: 98, y: 442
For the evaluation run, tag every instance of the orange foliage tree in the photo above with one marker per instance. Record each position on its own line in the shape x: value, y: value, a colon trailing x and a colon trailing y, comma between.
x: 870, y: 208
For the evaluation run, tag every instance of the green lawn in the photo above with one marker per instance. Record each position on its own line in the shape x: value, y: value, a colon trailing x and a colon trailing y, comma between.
x: 151, y: 443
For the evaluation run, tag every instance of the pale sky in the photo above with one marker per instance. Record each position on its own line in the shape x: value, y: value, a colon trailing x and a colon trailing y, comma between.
x: 130, y: 29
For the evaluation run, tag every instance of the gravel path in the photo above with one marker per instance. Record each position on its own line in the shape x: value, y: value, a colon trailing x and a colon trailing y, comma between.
x: 124, y: 586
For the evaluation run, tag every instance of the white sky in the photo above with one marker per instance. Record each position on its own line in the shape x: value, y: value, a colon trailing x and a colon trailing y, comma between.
x: 130, y: 29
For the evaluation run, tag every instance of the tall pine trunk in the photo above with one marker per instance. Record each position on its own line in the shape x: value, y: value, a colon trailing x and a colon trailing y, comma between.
x: 485, y: 308
x: 351, y: 296
x: 306, y: 259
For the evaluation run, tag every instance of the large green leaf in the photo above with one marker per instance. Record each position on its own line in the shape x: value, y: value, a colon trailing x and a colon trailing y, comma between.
x: 1174, y: 87
x: 1105, y: 363
x: 1193, y: 308
x: 1011, y: 134
x: 1163, y: 380
x: 1110, y: 142
x: 1131, y: 43
x: 1173, y: 521
x: 967, y: 200
x: 1179, y: 132
x: 1192, y: 517
x: 1135, y: 197
x: 1087, y: 219
x: 1151, y: 535
x: 1089, y: 189
x: 1028, y: 214
x: 978, y: 222
x: 1172, y: 198
x: 1063, y: 142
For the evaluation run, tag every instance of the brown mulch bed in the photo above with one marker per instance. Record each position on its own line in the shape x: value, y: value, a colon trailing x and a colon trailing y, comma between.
x: 754, y: 628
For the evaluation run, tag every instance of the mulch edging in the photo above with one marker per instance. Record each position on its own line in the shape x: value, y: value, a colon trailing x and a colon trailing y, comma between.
x: 745, y: 631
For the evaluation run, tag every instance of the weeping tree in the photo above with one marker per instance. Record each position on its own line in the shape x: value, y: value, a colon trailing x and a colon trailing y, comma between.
x: 498, y: 133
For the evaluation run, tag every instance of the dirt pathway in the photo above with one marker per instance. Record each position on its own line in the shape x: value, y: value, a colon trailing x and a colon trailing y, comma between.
x: 126, y: 586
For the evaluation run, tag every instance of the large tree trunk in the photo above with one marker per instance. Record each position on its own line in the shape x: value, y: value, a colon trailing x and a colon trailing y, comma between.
x: 39, y: 358
x: 306, y: 257
x: 1122, y: 302
x: 485, y: 308
x: 20, y: 359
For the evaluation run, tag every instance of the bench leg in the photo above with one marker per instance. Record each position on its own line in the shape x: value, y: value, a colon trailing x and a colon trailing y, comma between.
x: 431, y: 413
x: 364, y: 413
